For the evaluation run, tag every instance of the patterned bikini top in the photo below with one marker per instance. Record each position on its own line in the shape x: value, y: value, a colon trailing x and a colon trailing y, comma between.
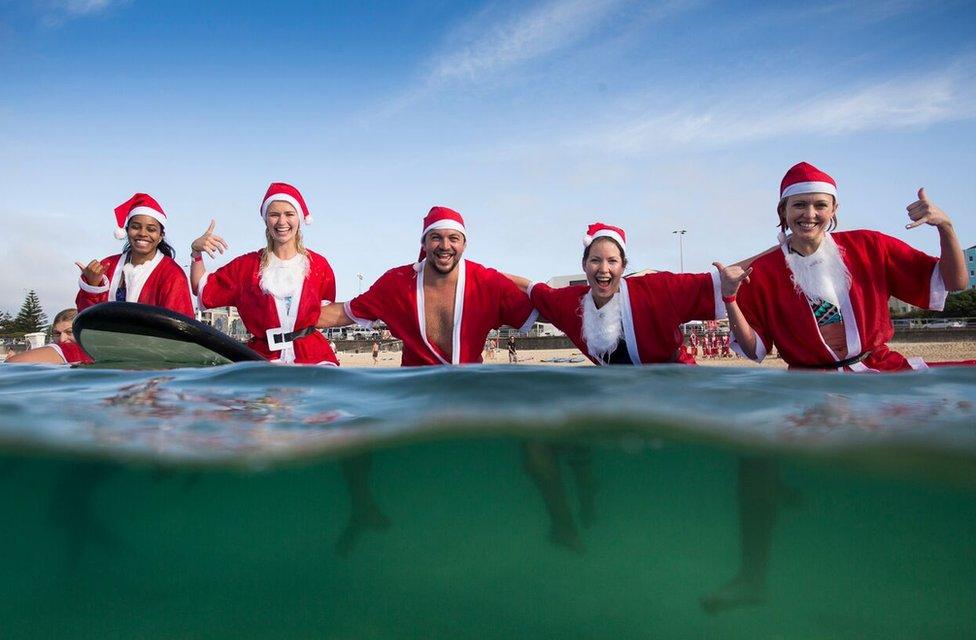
x: 825, y: 312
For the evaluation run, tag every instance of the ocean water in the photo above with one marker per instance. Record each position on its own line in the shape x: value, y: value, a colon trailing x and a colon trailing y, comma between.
x: 208, y: 503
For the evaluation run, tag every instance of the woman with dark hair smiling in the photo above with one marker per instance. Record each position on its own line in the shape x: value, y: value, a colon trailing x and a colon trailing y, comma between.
x: 145, y: 271
x: 613, y: 320
x: 822, y: 301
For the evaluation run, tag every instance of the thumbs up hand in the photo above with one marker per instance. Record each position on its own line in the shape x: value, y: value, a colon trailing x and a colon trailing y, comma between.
x: 924, y: 211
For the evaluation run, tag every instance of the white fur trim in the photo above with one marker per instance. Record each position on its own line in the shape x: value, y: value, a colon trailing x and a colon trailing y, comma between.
x: 362, y: 322
x: 443, y: 224
x: 57, y: 349
x: 326, y: 303
x: 284, y: 197
x: 527, y: 325
x: 87, y: 288
x: 119, y: 233
x: 760, y: 348
x: 809, y: 187
x: 310, y: 220
x: 627, y: 318
x: 720, y: 311
x: 132, y: 293
x: 937, y: 289
x: 917, y: 363
x: 200, y: 286
x: 528, y: 291
x: 606, y: 233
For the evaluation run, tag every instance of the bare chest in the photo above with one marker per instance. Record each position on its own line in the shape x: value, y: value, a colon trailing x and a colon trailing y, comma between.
x: 439, y: 316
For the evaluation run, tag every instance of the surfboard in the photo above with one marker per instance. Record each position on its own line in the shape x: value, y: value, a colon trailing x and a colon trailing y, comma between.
x: 131, y: 335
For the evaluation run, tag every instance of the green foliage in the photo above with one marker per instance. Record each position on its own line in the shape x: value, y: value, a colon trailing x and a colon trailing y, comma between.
x: 31, y: 316
x: 7, y: 329
x: 961, y: 304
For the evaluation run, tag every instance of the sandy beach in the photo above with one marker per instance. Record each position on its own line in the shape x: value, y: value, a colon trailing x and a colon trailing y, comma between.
x: 930, y: 351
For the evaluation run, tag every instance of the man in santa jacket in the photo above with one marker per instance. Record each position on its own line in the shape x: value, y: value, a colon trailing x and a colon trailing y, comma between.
x: 145, y: 271
x: 442, y: 308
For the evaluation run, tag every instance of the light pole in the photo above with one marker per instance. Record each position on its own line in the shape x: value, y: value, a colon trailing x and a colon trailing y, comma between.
x: 360, y: 276
x: 681, y: 249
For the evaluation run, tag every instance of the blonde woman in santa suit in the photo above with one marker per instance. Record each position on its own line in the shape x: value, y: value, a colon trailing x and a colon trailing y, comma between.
x: 280, y: 290
x: 145, y: 271
x: 613, y: 320
x: 822, y: 301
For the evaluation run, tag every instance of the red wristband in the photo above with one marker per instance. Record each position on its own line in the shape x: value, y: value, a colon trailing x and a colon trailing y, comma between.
x: 728, y: 299
x: 197, y: 258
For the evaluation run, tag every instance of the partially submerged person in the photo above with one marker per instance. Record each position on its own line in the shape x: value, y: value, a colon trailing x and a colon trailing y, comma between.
x: 279, y: 290
x: 822, y: 302
x: 63, y: 348
x: 613, y: 320
x: 442, y: 308
x: 145, y: 271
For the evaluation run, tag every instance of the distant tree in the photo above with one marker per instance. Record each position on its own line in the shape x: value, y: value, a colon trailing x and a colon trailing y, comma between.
x: 31, y: 317
x: 7, y: 328
x: 961, y: 304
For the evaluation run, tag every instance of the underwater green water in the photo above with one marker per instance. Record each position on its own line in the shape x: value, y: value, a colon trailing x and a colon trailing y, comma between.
x: 208, y: 504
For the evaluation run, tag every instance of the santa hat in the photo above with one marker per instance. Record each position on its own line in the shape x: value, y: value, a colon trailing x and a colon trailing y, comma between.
x: 806, y: 178
x: 286, y: 193
x: 141, y: 204
x: 440, y: 218
x: 600, y: 230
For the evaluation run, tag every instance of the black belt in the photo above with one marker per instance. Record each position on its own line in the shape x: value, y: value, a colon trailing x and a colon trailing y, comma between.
x: 291, y: 336
x: 840, y: 364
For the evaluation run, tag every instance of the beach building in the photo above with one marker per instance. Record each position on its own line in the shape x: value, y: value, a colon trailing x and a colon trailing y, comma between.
x: 225, y: 320
x: 970, y: 257
x: 898, y: 307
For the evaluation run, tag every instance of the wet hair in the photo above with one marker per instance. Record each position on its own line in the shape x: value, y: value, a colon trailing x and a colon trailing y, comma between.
x: 623, y: 255
x: 781, y: 210
x: 163, y: 247
x: 65, y: 315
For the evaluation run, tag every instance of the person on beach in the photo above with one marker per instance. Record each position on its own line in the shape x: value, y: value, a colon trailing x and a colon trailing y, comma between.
x: 822, y: 301
x: 612, y: 320
x: 145, y: 271
x: 280, y: 290
x: 376, y: 352
x: 63, y: 348
x: 442, y: 308
x: 512, y: 350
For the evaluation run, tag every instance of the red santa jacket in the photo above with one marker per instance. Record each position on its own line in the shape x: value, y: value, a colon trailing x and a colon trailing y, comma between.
x: 880, y: 267
x: 484, y: 300
x: 238, y: 284
x: 165, y: 286
x: 71, y: 352
x: 652, y: 307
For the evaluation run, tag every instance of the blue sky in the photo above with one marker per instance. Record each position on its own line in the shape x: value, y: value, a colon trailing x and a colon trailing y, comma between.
x: 532, y: 119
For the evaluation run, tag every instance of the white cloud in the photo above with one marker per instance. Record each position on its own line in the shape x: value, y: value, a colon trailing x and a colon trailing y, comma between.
x: 535, y: 33
x: 909, y: 102
x: 57, y: 12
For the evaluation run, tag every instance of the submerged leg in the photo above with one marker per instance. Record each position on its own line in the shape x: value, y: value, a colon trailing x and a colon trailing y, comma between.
x: 365, y: 513
x: 542, y: 466
x: 581, y: 464
x: 70, y: 509
x: 759, y: 493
